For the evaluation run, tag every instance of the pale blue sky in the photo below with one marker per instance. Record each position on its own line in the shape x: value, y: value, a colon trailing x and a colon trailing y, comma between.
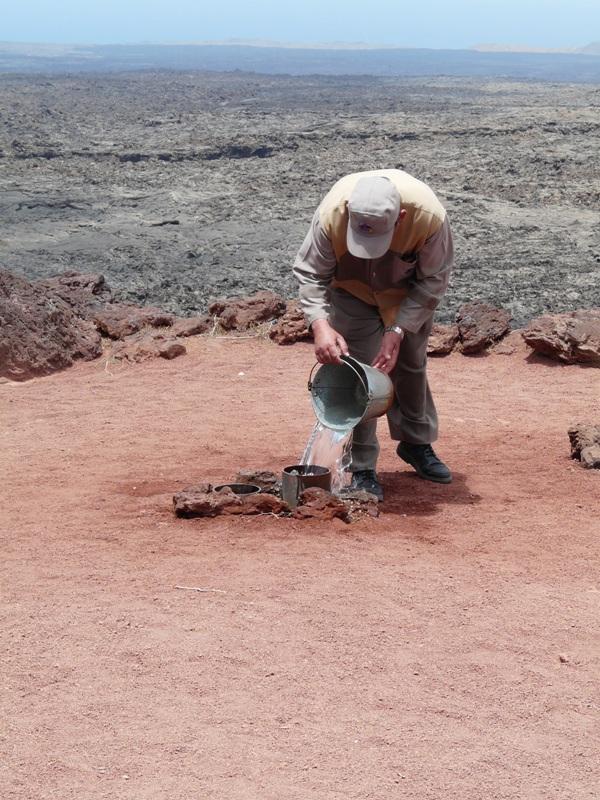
x: 429, y: 23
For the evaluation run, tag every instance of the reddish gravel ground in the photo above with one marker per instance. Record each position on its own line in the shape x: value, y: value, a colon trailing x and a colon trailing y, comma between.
x: 449, y: 649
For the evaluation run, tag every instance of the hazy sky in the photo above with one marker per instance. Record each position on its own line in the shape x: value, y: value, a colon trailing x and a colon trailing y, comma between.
x: 429, y: 23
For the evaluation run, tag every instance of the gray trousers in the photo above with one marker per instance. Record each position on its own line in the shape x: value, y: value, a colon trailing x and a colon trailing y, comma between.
x: 412, y: 417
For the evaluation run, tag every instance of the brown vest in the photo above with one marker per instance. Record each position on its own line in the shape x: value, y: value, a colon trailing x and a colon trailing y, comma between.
x: 381, y: 282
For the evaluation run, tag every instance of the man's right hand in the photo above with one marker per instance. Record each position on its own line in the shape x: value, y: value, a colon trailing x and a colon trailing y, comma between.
x: 329, y: 344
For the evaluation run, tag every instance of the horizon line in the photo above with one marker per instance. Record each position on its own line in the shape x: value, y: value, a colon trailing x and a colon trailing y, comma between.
x: 336, y: 45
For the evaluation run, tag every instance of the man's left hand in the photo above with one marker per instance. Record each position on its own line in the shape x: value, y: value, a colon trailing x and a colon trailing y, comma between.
x: 386, y: 358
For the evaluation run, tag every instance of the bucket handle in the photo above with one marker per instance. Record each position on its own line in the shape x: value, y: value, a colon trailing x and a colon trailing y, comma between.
x: 352, y: 367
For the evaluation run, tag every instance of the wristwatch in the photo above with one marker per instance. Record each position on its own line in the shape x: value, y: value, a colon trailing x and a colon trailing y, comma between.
x: 394, y: 329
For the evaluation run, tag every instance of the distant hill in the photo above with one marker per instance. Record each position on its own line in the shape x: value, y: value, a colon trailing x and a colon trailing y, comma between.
x: 592, y: 49
x: 353, y: 60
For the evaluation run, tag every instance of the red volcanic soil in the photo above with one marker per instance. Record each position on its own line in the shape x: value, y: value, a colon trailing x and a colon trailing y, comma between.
x: 449, y: 649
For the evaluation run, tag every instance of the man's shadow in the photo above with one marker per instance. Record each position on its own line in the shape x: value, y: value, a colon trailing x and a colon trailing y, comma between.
x: 408, y: 495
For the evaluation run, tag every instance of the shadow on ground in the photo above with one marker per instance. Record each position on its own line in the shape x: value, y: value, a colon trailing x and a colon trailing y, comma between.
x: 408, y: 495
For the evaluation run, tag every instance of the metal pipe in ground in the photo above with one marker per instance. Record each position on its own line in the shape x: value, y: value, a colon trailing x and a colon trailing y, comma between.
x: 298, y: 477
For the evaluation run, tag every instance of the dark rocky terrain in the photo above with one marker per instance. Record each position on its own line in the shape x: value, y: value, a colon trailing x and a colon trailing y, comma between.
x: 181, y: 187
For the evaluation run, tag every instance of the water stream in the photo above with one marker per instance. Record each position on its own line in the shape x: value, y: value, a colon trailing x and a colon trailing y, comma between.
x: 331, y: 449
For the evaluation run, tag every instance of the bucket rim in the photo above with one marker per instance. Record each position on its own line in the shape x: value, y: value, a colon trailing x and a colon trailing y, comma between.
x: 315, y: 469
x: 354, y: 364
x: 358, y: 367
x: 377, y: 393
x: 239, y: 488
x: 351, y: 366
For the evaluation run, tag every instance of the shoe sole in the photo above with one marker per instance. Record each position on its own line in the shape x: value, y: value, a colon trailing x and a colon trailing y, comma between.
x: 422, y: 474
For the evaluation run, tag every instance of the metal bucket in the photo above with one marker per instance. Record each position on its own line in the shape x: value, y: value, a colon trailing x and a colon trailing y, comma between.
x: 348, y: 393
x: 239, y: 488
x: 298, y: 477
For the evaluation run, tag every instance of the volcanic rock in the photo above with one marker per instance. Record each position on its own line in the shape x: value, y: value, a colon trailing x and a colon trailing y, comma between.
x: 480, y: 325
x: 442, y: 340
x: 237, y: 235
x: 39, y: 332
x: 200, y: 488
x: 291, y: 327
x: 118, y: 321
x: 317, y: 503
x: 84, y: 292
x: 242, y: 313
x: 512, y: 343
x: 361, y: 503
x: 148, y: 344
x: 585, y: 439
x: 590, y: 457
x: 194, y: 502
x: 573, y: 338
x: 171, y: 349
x: 254, y: 504
x: 191, y: 326
x: 263, y: 478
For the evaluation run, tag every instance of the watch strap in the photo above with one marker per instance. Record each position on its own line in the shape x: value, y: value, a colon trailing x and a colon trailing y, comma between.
x: 394, y: 329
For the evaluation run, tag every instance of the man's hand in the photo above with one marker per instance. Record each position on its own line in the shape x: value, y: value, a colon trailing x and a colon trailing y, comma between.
x: 329, y: 344
x: 386, y: 358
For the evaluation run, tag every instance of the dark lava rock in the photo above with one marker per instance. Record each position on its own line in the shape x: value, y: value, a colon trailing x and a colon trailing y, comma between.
x: 118, y: 321
x: 573, y: 338
x: 480, y: 325
x: 263, y: 478
x: 291, y: 327
x: 585, y: 444
x: 245, y: 223
x: 39, y: 332
x: 242, y: 313
x: 319, y: 504
x: 239, y: 151
x: 133, y: 158
x: 191, y: 326
x: 84, y: 292
x: 442, y: 340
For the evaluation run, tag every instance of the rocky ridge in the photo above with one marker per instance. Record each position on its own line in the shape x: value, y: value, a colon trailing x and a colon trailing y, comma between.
x: 47, y: 325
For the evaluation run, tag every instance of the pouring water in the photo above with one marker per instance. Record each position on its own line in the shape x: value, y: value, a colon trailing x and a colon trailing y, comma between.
x: 331, y: 449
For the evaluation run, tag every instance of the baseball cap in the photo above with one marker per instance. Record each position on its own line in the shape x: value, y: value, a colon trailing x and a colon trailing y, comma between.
x: 373, y: 209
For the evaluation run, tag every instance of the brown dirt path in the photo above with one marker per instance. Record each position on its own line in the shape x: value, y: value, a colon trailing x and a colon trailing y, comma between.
x: 414, y: 656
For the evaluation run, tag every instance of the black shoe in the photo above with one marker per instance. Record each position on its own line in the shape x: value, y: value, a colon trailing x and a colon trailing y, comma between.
x: 423, y: 458
x: 366, y: 480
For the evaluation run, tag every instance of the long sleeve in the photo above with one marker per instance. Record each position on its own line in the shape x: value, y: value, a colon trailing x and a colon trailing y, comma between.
x: 430, y: 281
x: 314, y: 268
